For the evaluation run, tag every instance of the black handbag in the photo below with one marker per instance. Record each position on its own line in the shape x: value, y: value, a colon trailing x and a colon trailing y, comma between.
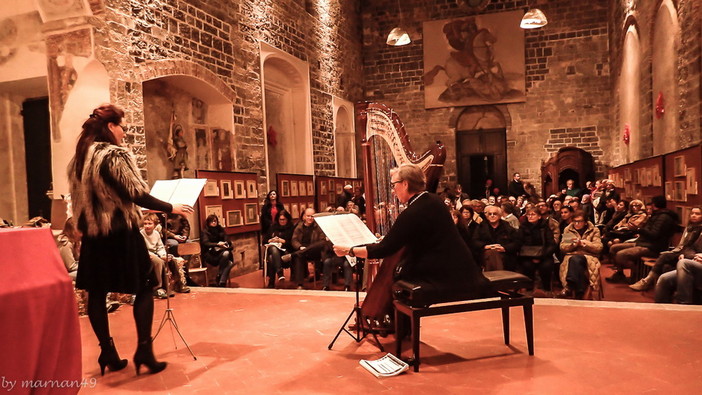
x: 531, y: 251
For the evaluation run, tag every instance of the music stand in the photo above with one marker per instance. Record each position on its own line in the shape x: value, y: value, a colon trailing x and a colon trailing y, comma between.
x: 168, y: 315
x: 362, y: 326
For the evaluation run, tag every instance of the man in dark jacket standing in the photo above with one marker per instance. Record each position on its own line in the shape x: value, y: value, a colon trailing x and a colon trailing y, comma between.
x: 516, y: 188
x: 654, y: 237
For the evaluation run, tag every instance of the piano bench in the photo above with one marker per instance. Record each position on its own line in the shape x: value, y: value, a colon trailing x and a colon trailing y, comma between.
x: 506, y: 284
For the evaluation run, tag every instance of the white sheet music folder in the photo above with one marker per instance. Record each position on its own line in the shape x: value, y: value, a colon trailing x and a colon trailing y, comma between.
x: 180, y: 191
x: 345, y: 229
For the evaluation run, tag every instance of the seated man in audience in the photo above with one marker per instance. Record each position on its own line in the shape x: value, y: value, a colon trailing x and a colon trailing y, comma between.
x: 607, y: 213
x: 580, y: 270
x: 552, y: 223
x: 332, y: 262
x: 310, y: 244
x: 177, y: 232
x: 683, y: 282
x: 157, y: 253
x: 566, y: 217
x: 509, y: 214
x: 690, y: 245
x: 654, y: 237
x: 496, y: 242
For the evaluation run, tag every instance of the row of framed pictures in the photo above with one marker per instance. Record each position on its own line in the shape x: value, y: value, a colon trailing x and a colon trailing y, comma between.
x: 677, y: 191
x: 234, y: 218
x: 296, y: 209
x: 295, y: 188
x: 242, y: 189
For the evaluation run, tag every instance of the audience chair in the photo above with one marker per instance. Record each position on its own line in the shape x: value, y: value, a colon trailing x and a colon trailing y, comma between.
x: 195, y: 264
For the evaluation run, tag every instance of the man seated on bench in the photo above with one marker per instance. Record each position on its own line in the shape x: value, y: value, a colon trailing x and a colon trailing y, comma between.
x: 684, y: 282
x: 435, y: 256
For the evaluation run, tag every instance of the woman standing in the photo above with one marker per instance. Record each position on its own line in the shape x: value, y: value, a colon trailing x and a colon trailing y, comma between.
x: 271, y: 207
x: 106, y: 187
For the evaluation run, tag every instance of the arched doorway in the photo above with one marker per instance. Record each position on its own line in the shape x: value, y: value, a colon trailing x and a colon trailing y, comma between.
x: 287, y: 118
x: 629, y: 94
x: 344, y: 138
x: 481, y: 149
x: 569, y: 163
x: 664, y: 63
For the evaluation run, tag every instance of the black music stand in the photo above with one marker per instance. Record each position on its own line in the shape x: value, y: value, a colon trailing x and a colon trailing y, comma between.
x: 168, y: 315
x: 363, y: 327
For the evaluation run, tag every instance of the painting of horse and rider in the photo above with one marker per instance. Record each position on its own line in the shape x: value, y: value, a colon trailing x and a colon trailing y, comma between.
x: 474, y: 60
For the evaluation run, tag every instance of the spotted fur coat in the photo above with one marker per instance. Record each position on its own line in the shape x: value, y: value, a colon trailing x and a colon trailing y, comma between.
x: 109, y: 183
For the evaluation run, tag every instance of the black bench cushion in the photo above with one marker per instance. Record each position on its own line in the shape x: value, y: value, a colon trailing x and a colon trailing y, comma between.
x: 419, y: 294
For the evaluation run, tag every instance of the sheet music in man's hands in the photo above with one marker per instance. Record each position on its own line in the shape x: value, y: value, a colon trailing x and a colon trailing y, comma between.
x: 180, y: 191
x: 345, y: 229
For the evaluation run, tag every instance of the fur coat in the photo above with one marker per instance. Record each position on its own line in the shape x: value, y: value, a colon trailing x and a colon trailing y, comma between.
x: 109, y: 184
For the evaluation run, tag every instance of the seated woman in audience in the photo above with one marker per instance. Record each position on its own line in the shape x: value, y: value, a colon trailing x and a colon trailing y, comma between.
x: 581, y: 245
x: 217, y: 250
x: 68, y: 242
x: 629, y: 225
x: 538, y: 246
x: 689, y: 246
x: 279, y: 239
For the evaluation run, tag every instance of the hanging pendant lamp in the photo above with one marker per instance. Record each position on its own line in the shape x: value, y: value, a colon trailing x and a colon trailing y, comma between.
x: 533, y: 19
x: 398, y: 36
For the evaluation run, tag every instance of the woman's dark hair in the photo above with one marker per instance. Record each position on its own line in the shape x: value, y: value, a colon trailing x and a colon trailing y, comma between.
x: 285, y: 214
x: 626, y: 204
x: 95, y: 130
x: 267, y: 200
x: 211, y: 218
x: 72, y: 234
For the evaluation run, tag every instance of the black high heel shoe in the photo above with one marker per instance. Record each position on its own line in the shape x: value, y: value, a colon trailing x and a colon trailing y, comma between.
x: 145, y: 356
x: 109, y: 358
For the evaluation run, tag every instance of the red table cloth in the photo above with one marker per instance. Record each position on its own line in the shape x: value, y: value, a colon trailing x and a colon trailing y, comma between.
x: 39, y: 329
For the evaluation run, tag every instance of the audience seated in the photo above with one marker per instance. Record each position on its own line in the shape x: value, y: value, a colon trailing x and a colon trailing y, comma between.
x: 538, y: 246
x: 581, y: 245
x: 654, y: 237
x: 682, y: 283
x: 552, y: 222
x: 690, y: 244
x: 332, y: 262
x: 68, y: 242
x: 628, y: 226
x: 509, y: 214
x: 309, y: 244
x: 279, y: 239
x: 496, y: 242
x: 177, y: 232
x: 158, y: 255
x: 216, y: 249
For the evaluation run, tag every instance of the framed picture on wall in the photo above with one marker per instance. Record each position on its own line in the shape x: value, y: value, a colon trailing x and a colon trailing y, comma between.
x: 679, y: 166
x: 323, y: 188
x: 310, y: 188
x: 686, y: 216
x: 690, y: 184
x: 669, y: 190
x: 251, y: 190
x: 310, y: 204
x: 251, y: 213
x: 286, y: 206
x: 216, y: 210
x: 295, y: 211
x: 293, y: 188
x: 285, y: 188
x: 679, y: 194
x: 211, y: 188
x: 331, y: 186
x: 339, y: 188
x: 227, y: 191
x: 239, y: 189
x: 234, y: 218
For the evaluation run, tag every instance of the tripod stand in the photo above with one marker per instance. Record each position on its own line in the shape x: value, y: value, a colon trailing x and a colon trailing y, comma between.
x: 362, y: 327
x: 168, y: 315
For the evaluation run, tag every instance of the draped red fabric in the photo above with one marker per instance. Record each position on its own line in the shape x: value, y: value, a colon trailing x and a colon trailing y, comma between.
x: 39, y: 329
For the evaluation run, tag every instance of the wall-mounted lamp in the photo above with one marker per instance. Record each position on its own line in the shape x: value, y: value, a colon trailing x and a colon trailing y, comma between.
x: 398, y: 36
x: 534, y: 18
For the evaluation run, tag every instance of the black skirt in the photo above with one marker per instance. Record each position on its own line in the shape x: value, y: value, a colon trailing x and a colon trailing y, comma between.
x: 117, y: 262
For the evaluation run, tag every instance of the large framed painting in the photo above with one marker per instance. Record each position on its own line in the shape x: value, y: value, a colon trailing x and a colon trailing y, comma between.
x: 474, y: 60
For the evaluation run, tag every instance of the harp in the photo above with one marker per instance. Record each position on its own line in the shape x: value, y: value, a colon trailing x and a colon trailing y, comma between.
x: 386, y: 145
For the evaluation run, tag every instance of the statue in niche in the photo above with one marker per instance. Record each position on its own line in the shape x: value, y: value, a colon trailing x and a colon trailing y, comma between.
x: 221, y: 146
x: 202, y: 152
x: 177, y: 149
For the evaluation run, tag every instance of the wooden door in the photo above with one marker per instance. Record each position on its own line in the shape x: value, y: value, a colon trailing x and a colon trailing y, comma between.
x: 481, y: 154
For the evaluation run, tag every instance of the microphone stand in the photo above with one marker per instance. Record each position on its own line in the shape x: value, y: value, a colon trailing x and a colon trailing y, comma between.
x: 168, y: 315
x: 362, y: 327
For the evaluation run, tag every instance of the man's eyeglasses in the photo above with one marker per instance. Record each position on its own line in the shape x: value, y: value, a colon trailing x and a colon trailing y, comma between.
x: 392, y: 183
x: 578, y: 221
x: 492, y: 214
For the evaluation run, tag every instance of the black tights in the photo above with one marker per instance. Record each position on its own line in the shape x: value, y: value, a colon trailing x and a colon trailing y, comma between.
x: 143, y: 314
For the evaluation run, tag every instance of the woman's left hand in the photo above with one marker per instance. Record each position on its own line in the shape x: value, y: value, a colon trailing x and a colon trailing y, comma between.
x: 341, y: 250
x: 182, y: 209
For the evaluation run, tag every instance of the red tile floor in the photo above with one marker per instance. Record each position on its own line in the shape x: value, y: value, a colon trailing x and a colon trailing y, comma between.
x: 255, y: 341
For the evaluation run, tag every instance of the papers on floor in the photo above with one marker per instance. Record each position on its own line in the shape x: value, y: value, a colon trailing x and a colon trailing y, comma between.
x: 386, y: 366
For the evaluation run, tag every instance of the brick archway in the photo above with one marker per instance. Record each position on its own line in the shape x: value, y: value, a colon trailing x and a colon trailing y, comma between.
x: 173, y: 67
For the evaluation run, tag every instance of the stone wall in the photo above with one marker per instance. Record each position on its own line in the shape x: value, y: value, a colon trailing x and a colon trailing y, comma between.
x: 567, y: 79
x: 642, y: 15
